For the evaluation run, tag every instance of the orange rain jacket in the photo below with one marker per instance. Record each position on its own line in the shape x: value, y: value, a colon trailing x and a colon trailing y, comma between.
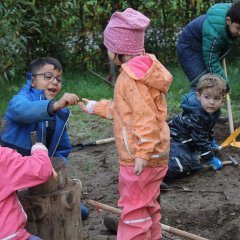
x: 139, y: 111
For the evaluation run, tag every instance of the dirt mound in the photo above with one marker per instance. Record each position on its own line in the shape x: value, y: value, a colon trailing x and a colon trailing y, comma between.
x: 206, y: 204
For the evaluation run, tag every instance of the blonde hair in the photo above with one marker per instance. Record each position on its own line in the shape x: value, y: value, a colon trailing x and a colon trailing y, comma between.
x: 213, y: 81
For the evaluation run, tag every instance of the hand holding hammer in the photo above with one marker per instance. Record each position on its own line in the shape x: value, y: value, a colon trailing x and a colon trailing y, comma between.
x: 35, y: 145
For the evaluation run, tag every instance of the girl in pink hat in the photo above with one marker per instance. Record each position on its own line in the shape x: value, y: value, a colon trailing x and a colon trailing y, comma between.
x: 139, y: 113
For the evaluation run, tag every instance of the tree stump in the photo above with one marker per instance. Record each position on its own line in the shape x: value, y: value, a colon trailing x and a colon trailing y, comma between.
x: 53, y: 208
x: 52, y: 184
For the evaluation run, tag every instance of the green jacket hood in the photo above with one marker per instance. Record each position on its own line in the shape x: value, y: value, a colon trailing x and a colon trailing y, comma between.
x: 216, y: 16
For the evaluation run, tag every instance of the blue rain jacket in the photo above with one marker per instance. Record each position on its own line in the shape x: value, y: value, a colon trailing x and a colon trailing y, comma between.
x: 28, y: 112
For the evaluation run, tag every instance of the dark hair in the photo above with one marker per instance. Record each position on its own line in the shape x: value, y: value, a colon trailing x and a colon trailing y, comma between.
x: 234, y: 12
x: 37, y: 64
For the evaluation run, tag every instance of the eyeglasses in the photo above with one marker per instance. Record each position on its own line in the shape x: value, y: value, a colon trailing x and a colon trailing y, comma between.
x: 49, y: 77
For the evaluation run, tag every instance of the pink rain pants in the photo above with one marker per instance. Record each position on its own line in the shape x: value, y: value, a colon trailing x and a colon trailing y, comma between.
x: 140, y: 217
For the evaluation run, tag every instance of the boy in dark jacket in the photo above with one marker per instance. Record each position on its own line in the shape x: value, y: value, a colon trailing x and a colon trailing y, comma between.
x: 207, y: 39
x: 192, y: 130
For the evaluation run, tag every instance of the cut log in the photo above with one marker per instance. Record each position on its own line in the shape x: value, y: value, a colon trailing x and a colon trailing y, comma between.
x: 53, y: 208
x: 52, y: 184
x: 56, y: 216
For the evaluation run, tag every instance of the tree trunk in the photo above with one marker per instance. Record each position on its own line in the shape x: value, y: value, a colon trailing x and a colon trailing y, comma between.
x: 52, y: 184
x: 53, y: 208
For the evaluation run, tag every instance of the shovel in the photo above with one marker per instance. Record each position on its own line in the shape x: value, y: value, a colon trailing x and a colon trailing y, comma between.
x: 231, y: 140
x: 80, y: 146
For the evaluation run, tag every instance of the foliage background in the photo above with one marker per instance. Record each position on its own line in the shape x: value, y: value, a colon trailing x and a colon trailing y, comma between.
x: 71, y: 31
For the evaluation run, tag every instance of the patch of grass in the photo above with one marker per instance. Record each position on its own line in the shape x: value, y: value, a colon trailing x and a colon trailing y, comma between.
x: 7, y: 91
x: 179, y: 86
x: 86, y: 85
x: 85, y: 127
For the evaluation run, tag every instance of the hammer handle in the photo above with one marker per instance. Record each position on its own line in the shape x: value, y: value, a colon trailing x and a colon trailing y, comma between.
x: 225, y: 163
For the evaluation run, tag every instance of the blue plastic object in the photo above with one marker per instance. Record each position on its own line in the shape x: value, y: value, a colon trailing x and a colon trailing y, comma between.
x: 84, y: 212
x: 214, y: 145
x: 216, y: 163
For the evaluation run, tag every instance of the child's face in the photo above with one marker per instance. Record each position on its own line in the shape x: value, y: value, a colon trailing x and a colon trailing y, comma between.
x: 210, y: 100
x: 234, y: 28
x: 46, y: 79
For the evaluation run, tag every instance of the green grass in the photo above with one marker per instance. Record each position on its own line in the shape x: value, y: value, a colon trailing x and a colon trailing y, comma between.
x: 181, y: 86
x: 87, y: 85
x: 7, y: 91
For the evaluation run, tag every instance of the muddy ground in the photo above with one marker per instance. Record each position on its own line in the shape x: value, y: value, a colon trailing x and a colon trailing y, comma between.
x: 206, y: 204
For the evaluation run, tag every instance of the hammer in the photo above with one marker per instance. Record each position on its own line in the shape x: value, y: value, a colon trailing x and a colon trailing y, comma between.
x: 34, y: 140
x: 232, y: 161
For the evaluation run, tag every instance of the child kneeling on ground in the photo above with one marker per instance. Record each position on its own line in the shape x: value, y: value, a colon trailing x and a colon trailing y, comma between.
x: 192, y: 130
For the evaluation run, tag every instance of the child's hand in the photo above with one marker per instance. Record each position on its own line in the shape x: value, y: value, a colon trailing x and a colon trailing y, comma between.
x: 67, y: 99
x: 140, y: 165
x: 87, y: 105
x: 216, y: 163
x: 38, y: 146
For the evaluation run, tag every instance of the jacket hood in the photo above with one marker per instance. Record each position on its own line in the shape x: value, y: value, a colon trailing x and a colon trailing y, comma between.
x: 190, y: 103
x: 150, y: 71
x: 216, y: 16
x: 27, y: 88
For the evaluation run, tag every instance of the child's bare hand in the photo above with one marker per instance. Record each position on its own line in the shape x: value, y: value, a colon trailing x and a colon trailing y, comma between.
x: 83, y: 104
x: 140, y: 165
x: 67, y: 99
x: 87, y: 105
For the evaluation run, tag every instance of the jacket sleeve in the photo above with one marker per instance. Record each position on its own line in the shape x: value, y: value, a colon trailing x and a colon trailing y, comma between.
x: 22, y: 110
x: 104, y: 108
x: 146, y: 125
x: 201, y: 138
x: 23, y: 172
x: 212, y: 55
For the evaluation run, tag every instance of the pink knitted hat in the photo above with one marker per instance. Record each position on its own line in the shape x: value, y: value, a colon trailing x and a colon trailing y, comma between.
x: 124, y: 33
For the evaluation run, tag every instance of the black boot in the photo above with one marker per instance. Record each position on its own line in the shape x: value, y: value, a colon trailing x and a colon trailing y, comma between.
x: 111, y: 223
x: 163, y: 187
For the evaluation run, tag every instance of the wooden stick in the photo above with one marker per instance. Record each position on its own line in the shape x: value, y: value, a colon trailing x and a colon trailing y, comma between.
x: 106, y: 140
x: 110, y: 83
x: 229, y: 107
x: 164, y: 227
x: 54, y: 173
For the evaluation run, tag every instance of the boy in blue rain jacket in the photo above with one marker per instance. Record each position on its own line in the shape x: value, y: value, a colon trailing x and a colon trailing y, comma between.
x: 34, y: 109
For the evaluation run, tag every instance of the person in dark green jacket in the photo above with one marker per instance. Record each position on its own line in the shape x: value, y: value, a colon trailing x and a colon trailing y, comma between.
x: 206, y: 40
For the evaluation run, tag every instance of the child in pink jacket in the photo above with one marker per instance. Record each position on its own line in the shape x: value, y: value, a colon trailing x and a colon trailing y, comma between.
x: 139, y: 112
x: 17, y: 172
